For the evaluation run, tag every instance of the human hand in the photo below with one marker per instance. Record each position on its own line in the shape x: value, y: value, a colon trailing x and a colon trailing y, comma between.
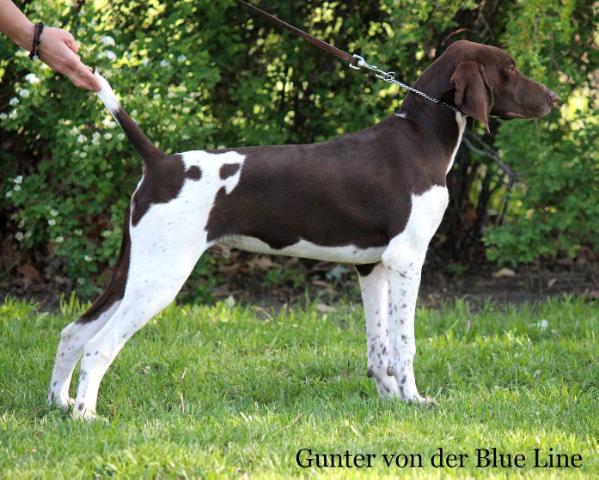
x: 59, y: 49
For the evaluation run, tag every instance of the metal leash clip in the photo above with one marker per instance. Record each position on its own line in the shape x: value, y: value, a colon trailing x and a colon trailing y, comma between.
x: 389, y: 77
x: 359, y: 64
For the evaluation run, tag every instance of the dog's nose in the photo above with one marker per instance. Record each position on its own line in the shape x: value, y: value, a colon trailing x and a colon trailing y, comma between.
x: 554, y: 98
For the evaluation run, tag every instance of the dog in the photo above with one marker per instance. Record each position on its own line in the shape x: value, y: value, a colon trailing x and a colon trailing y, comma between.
x: 373, y: 198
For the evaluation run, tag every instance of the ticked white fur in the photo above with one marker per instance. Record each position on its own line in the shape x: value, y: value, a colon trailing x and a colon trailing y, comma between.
x: 169, y: 239
x: 403, y: 261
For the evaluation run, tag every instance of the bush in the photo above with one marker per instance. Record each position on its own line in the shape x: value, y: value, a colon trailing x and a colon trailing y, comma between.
x: 208, y: 74
x: 555, y: 207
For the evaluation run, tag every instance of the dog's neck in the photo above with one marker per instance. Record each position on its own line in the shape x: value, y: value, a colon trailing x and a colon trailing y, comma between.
x: 435, y: 118
x: 436, y: 82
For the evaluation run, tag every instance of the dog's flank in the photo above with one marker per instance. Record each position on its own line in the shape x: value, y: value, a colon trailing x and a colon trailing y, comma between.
x: 146, y: 149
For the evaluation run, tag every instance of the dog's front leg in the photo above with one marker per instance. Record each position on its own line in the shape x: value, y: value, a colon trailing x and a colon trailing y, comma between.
x: 373, y: 285
x: 403, y: 263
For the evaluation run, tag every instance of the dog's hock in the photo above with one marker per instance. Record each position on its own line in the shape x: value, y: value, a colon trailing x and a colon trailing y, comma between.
x: 107, y: 95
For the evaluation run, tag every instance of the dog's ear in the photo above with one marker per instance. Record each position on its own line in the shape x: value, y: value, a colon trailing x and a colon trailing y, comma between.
x: 472, y: 94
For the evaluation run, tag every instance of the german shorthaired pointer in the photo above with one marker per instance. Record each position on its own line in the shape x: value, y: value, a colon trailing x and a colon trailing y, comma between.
x: 373, y: 198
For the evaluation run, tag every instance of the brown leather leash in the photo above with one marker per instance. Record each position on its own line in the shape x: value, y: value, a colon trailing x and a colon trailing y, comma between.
x: 336, y: 52
x: 355, y: 61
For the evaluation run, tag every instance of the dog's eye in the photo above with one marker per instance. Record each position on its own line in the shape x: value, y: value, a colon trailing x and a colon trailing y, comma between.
x: 511, y: 68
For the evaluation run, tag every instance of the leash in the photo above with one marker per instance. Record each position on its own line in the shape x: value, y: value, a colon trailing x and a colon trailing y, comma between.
x: 355, y: 61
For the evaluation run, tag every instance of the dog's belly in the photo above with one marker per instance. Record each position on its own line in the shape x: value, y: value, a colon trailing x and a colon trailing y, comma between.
x: 305, y: 249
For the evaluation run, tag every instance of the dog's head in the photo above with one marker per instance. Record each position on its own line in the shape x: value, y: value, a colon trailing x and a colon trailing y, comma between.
x: 485, y: 81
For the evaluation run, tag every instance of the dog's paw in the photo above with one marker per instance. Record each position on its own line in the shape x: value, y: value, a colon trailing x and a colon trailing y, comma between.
x: 91, y: 418
x: 424, y: 401
x: 82, y: 413
x: 63, y: 403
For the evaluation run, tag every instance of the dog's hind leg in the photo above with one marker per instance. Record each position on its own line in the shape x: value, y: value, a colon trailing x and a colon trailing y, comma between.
x: 165, y: 246
x: 152, y: 292
x: 77, y: 334
x: 72, y: 339
x: 373, y: 285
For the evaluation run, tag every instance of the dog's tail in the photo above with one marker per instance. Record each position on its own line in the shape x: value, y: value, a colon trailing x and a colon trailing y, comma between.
x: 148, y: 151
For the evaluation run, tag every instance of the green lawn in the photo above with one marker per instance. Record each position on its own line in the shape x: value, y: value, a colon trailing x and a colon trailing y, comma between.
x: 220, y: 391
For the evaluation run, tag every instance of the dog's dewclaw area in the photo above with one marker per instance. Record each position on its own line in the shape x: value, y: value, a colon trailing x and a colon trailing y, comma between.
x: 210, y: 392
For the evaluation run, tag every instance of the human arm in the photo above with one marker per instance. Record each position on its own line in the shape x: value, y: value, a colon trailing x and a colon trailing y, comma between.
x: 58, y: 48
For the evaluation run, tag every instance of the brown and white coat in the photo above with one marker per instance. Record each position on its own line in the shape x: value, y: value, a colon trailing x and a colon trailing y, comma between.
x: 373, y: 198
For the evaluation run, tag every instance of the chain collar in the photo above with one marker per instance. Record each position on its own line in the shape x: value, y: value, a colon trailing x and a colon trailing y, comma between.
x: 389, y: 77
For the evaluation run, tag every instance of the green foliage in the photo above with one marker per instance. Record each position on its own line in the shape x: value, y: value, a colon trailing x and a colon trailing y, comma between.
x: 72, y: 203
x: 555, y: 209
x: 201, y: 74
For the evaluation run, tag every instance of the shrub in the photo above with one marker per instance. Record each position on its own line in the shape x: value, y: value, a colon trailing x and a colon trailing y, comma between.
x: 555, y: 207
x: 208, y: 74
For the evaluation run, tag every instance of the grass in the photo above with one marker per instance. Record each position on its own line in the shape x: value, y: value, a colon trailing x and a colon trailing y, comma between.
x: 232, y: 391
